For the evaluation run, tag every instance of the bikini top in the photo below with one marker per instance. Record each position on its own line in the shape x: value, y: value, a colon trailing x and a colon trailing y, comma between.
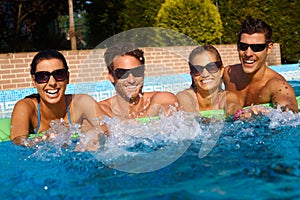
x: 39, y: 111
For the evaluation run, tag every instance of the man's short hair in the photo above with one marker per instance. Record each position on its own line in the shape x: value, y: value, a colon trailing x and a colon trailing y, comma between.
x: 254, y: 25
x: 121, y: 50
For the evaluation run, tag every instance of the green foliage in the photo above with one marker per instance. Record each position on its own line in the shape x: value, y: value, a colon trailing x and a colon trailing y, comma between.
x: 25, y: 22
x: 102, y: 20
x: 139, y: 13
x: 282, y: 15
x: 197, y: 19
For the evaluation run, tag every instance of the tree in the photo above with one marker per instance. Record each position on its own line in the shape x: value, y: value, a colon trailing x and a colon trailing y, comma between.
x: 72, y: 26
x: 137, y: 14
x: 198, y: 19
x: 102, y: 20
x: 19, y: 20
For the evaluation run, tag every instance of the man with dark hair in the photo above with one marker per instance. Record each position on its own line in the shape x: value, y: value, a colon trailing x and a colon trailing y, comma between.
x: 252, y: 79
x: 126, y: 66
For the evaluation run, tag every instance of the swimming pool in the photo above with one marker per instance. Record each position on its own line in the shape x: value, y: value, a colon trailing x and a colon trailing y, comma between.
x: 256, y: 159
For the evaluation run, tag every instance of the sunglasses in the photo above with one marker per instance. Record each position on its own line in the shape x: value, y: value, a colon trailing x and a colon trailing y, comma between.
x: 44, y: 76
x: 212, y: 67
x: 121, y: 73
x: 255, y: 47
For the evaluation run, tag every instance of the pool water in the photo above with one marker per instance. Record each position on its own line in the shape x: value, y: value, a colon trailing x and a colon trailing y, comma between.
x: 254, y: 159
x: 257, y: 159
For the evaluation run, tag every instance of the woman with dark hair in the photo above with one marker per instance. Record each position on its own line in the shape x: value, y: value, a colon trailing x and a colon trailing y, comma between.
x: 33, y: 114
x: 206, y: 93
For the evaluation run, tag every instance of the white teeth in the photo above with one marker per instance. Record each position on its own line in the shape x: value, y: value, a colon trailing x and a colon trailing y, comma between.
x: 206, y: 81
x: 52, y: 91
x: 131, y: 87
x: 249, y: 61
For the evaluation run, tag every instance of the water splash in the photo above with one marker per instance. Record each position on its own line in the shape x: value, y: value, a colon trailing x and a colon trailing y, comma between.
x: 138, y: 147
x: 60, y: 139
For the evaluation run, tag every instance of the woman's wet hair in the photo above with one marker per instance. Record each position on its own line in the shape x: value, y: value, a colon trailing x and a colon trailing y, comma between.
x: 46, y: 55
x: 122, y: 49
x: 254, y: 25
x: 201, y: 50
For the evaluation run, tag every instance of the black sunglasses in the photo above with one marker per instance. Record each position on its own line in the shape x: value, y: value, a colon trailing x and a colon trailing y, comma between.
x: 121, y: 73
x: 255, y: 47
x: 44, y: 76
x: 212, y: 67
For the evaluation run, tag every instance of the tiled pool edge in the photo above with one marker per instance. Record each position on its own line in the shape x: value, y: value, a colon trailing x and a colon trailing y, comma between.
x: 104, y: 89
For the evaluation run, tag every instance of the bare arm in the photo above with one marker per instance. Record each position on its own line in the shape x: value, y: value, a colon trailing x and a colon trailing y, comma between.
x: 281, y: 94
x: 90, y: 113
x: 232, y: 103
x: 85, y: 108
x: 106, y: 106
x: 186, y: 101
x: 162, y: 101
x: 20, y: 122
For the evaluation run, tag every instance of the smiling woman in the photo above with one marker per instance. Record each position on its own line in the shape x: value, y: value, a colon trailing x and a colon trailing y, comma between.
x: 33, y: 114
x: 205, y: 93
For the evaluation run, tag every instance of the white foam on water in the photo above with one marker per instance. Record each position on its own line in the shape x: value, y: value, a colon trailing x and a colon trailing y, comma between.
x: 279, y: 118
x: 59, y: 140
x: 139, y: 147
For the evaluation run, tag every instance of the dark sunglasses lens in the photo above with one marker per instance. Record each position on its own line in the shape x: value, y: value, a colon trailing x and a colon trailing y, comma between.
x: 121, y: 73
x: 243, y: 46
x: 255, y: 47
x: 212, y: 67
x: 124, y: 73
x: 42, y: 77
x: 258, y: 47
x: 138, y: 71
x: 196, y: 70
x: 60, y: 74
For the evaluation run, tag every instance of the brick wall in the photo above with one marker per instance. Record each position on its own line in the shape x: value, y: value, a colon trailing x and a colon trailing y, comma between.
x: 88, y: 65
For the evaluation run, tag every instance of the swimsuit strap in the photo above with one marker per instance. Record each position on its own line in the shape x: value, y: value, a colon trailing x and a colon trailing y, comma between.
x: 39, y: 118
x: 37, y: 96
x: 39, y: 115
x: 69, y: 112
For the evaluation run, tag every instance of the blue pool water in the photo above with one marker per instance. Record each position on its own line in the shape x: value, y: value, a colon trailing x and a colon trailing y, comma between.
x: 254, y: 159
x: 258, y: 159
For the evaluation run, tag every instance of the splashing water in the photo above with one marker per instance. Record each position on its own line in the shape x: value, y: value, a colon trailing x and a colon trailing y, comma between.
x: 262, y: 152
x: 139, y: 147
x: 60, y: 140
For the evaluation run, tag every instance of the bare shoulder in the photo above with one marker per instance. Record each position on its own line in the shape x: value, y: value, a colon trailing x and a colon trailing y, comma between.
x: 275, y: 79
x: 26, y: 104
x: 229, y: 69
x: 232, y: 73
x: 106, y: 106
x: 271, y: 74
x: 105, y: 102
x: 185, y: 94
x: 164, y: 97
x: 80, y: 97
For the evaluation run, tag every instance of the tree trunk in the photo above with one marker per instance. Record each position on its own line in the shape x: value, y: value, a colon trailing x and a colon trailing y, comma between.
x: 71, y: 26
